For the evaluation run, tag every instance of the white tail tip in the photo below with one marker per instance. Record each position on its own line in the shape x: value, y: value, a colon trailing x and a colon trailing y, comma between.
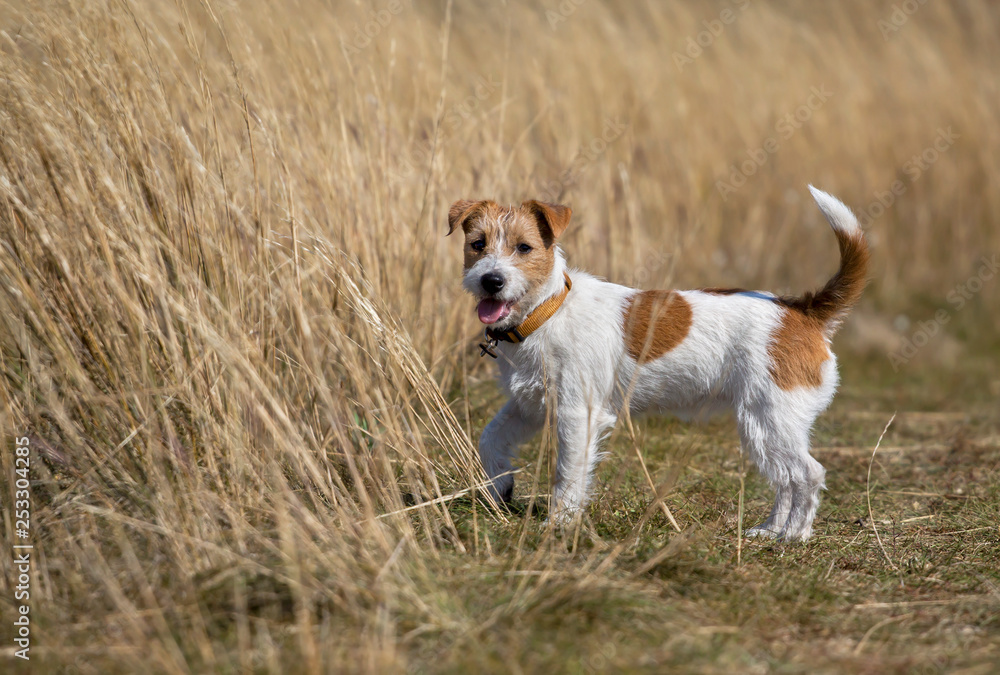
x: 837, y: 213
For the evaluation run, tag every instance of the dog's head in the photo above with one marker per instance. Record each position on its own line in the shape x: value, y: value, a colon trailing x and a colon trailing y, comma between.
x: 510, y: 253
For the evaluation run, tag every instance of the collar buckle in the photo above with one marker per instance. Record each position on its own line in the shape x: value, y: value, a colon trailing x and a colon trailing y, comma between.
x: 488, y: 346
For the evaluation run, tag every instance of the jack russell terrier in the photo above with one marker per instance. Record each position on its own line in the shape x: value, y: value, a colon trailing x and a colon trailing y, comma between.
x: 590, y: 348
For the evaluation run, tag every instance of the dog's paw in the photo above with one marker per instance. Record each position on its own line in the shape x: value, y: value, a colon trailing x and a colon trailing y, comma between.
x: 799, y: 535
x: 784, y: 535
x: 762, y: 531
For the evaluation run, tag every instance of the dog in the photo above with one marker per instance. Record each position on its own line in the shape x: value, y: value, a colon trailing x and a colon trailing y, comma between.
x: 591, y: 349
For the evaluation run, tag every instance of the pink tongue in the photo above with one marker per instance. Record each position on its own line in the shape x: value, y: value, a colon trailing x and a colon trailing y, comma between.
x: 491, y: 311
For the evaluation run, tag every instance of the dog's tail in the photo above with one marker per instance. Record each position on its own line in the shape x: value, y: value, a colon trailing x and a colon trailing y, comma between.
x: 831, y: 304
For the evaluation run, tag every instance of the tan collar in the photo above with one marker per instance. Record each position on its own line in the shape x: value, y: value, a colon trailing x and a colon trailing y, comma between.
x: 533, y: 322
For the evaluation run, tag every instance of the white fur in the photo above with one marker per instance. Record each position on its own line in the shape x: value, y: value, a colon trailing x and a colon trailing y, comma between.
x: 577, y: 362
x: 836, y: 212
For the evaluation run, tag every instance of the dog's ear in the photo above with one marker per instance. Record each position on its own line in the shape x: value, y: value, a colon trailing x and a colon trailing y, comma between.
x: 460, y: 212
x: 553, y: 219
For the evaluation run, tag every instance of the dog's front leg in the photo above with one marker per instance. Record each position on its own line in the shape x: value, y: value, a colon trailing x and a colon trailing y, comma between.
x: 499, y: 442
x: 580, y: 431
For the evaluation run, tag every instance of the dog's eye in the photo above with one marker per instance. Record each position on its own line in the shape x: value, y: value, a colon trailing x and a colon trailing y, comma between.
x: 524, y: 248
x: 478, y: 245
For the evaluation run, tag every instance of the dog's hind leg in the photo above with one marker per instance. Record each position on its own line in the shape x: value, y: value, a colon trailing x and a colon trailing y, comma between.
x: 755, y: 437
x: 808, y: 478
x: 498, y: 444
x: 779, y: 445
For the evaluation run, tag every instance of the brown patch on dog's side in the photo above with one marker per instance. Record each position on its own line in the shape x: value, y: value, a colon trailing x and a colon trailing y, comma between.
x: 798, y: 350
x: 654, y: 323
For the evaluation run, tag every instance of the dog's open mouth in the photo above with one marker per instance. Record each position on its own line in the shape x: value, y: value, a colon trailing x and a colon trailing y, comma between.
x: 492, y: 310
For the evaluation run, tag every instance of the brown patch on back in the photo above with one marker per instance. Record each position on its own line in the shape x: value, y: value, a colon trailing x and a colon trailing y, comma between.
x: 654, y: 323
x: 797, y: 350
x: 723, y: 291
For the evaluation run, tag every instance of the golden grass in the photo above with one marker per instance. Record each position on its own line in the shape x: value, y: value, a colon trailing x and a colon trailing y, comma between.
x: 231, y: 323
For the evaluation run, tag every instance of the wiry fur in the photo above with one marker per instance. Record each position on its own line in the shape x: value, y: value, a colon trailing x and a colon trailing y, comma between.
x: 765, y: 358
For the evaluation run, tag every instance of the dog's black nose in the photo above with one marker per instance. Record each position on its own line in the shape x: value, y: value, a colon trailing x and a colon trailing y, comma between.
x: 492, y: 282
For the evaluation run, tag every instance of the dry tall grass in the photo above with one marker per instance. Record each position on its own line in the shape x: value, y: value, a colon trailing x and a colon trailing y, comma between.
x: 231, y: 324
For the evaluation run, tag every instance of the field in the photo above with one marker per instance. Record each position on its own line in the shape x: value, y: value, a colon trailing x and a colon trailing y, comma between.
x: 233, y: 339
